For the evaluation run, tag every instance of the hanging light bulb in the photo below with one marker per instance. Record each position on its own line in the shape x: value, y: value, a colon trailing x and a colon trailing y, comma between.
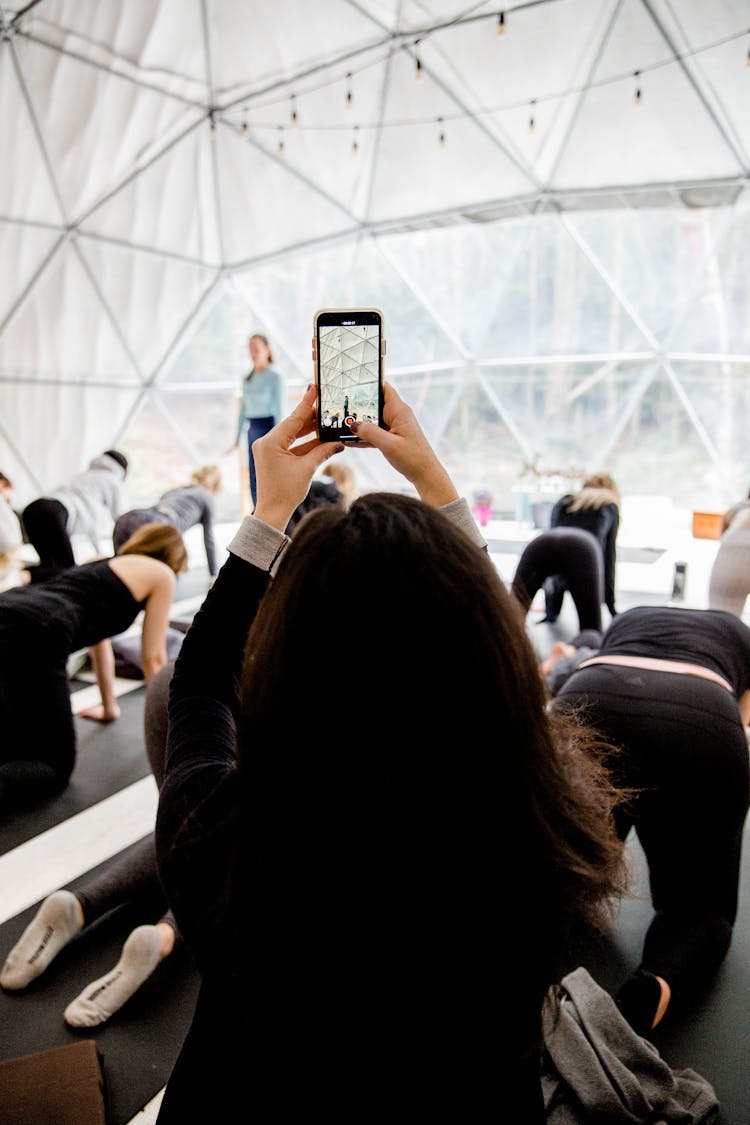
x: 349, y: 91
x: 281, y: 140
x: 212, y: 123
x: 418, y: 72
x: 293, y: 116
x: 245, y: 128
x: 355, y: 142
x: 637, y: 96
x: 441, y: 135
x: 532, y: 120
x: 501, y: 23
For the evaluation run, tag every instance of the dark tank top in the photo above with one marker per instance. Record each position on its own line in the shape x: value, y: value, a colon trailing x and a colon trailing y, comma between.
x: 79, y: 607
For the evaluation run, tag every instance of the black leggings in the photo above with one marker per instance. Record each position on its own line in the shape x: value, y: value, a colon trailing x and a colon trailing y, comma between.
x: 45, y: 523
x: 684, y: 747
x: 38, y: 745
x: 574, y: 558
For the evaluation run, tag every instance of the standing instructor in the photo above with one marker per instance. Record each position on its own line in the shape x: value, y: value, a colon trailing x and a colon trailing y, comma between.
x: 263, y: 400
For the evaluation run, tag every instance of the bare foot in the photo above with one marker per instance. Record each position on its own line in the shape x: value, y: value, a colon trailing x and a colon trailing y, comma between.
x: 666, y: 996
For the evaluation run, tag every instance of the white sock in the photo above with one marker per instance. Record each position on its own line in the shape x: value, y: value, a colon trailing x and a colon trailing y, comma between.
x: 140, y: 955
x: 56, y: 921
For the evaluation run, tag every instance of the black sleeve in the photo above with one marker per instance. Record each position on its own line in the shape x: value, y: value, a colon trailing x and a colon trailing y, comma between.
x: 203, y: 691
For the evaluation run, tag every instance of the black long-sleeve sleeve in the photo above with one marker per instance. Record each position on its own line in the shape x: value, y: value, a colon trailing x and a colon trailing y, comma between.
x: 197, y: 797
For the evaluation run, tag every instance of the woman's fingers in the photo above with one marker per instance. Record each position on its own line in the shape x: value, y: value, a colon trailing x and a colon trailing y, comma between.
x: 303, y: 415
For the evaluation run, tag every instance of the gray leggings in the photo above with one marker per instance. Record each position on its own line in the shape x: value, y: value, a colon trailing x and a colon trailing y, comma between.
x: 729, y: 582
x: 133, y: 877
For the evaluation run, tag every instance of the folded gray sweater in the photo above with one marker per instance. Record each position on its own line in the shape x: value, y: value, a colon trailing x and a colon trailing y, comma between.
x: 597, y: 1069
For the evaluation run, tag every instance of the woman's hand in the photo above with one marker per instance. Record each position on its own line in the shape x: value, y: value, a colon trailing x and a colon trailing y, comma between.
x: 283, y: 470
x: 557, y: 652
x: 406, y: 448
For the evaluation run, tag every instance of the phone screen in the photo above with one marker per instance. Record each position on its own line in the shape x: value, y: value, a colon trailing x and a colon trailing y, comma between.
x: 349, y: 371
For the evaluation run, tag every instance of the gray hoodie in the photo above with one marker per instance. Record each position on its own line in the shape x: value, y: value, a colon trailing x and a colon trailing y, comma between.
x: 94, y: 498
x: 597, y: 1069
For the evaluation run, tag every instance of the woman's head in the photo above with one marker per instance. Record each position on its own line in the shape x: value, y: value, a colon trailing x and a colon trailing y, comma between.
x: 160, y: 541
x: 601, y: 480
x: 260, y: 351
x: 395, y: 641
x: 597, y: 489
x: 208, y: 476
x: 412, y: 584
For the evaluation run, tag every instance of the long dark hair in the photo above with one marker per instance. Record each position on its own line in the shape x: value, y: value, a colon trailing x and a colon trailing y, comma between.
x: 392, y: 715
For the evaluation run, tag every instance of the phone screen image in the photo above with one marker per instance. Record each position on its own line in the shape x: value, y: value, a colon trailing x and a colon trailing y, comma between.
x: 349, y: 373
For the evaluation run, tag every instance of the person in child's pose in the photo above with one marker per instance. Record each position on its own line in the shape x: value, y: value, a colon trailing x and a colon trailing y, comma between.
x: 670, y: 689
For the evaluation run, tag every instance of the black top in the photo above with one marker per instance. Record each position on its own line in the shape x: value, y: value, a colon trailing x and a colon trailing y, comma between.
x: 712, y: 638
x: 603, y: 523
x: 350, y: 970
x: 76, y: 608
x: 321, y: 494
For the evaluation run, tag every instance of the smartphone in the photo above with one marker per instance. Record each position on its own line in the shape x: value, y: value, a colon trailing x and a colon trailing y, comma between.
x: 348, y: 350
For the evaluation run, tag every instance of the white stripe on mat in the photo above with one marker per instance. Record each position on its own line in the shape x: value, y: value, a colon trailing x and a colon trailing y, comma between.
x: 148, y: 1115
x: 90, y: 696
x: 52, y: 859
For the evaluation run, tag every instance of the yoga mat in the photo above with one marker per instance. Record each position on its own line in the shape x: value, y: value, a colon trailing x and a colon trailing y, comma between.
x: 713, y: 1038
x: 139, y: 1045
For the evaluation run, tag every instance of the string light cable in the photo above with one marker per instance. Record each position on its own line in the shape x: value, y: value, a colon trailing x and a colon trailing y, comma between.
x: 245, y: 110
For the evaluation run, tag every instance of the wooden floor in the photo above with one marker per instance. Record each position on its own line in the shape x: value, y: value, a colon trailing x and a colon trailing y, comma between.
x: 112, y: 802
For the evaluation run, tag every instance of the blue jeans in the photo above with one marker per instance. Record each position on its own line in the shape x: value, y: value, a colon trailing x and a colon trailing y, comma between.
x: 257, y: 427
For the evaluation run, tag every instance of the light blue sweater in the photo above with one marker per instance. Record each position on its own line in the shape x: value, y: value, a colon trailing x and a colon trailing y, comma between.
x: 263, y: 396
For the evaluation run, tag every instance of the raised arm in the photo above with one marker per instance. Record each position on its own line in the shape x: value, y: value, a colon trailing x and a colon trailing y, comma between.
x: 207, y: 522
x: 155, y: 623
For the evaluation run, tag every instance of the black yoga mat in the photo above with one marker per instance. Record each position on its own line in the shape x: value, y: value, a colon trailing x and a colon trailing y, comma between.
x: 713, y: 1038
x: 140, y: 1044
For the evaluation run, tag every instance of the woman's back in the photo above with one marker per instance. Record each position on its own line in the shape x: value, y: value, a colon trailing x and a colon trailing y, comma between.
x: 78, y: 607
x: 374, y: 843
x: 595, y: 509
x: 599, y: 519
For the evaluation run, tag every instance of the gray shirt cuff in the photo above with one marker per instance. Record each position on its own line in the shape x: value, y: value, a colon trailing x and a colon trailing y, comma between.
x: 258, y: 543
x: 459, y: 513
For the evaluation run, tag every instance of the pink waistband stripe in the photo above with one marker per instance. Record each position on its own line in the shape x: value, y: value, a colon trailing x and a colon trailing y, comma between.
x: 655, y: 665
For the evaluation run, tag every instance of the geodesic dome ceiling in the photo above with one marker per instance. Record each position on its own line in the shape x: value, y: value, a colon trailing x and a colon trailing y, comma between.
x: 548, y: 200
